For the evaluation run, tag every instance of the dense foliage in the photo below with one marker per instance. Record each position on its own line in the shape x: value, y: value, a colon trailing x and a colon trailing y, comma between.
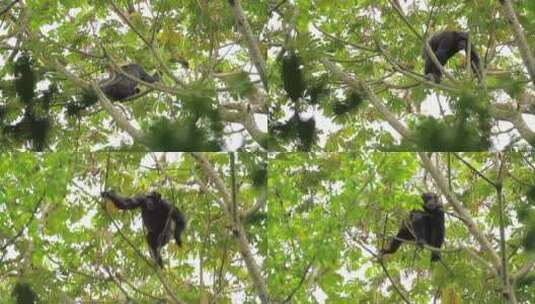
x: 330, y: 214
x: 378, y: 45
x: 207, y: 93
x: 58, y: 236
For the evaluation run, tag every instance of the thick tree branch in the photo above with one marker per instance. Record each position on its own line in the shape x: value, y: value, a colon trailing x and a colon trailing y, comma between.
x: 252, y: 43
x: 361, y: 86
x: 508, y: 113
x: 524, y: 270
x: 8, y: 7
x: 463, y: 213
x: 238, y: 230
x: 246, y: 118
x: 119, y: 118
x: 507, y: 291
x: 520, y: 38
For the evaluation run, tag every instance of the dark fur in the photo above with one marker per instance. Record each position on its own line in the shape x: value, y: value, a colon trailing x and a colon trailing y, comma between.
x: 156, y: 213
x: 119, y: 86
x: 444, y: 46
x: 425, y: 227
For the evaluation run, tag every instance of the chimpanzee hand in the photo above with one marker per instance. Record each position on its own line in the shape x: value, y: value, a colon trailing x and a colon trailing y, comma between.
x: 106, y: 194
x: 420, y: 243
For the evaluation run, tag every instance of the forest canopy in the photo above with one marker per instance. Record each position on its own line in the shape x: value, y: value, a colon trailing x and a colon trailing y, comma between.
x: 359, y: 76
x: 208, y: 93
x: 330, y: 215
x: 59, y: 237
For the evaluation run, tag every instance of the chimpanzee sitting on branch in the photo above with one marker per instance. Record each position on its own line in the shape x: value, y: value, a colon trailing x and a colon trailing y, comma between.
x: 425, y: 227
x: 444, y: 46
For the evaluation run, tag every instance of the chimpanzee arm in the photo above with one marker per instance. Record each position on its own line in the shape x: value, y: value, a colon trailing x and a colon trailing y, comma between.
x: 180, y: 224
x: 418, y: 225
x: 123, y: 202
x: 137, y: 71
x: 148, y: 78
x: 404, y: 233
x: 442, y: 54
x: 475, y: 61
x: 473, y: 55
x: 437, y: 238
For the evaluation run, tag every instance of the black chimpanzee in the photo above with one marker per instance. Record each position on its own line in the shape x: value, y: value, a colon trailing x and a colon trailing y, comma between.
x: 444, y: 46
x: 119, y: 86
x: 425, y: 227
x: 159, y: 217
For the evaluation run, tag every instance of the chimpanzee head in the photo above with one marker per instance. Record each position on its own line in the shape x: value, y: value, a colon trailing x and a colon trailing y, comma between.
x: 462, y: 42
x: 152, y: 200
x: 431, y: 202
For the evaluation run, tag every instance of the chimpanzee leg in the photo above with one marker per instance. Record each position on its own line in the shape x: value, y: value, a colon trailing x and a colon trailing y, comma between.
x: 152, y: 240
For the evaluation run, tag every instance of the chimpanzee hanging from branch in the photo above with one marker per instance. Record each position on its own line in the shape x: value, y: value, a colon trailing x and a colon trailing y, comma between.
x: 159, y: 217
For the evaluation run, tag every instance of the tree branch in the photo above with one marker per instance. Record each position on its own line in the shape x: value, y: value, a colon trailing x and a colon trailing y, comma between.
x: 520, y: 38
x: 464, y: 215
x: 508, y: 113
x: 8, y: 7
x: 238, y: 230
x: 507, y: 291
x: 254, y: 50
x: 119, y: 118
x: 524, y: 270
x: 361, y: 86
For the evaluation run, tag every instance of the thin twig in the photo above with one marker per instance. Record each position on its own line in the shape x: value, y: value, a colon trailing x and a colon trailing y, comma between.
x: 381, y: 262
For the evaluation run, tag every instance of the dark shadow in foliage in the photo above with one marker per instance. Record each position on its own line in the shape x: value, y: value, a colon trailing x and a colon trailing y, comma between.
x: 317, y: 89
x: 467, y: 130
x: 524, y: 288
x: 86, y: 100
x: 352, y: 102
x: 527, y: 218
x: 299, y: 129
x: 296, y: 129
x: 292, y: 76
x: 259, y: 175
x: 184, y: 135
x: 256, y: 219
x: 28, y: 123
x: 450, y: 134
x: 199, y: 129
x: 23, y: 294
